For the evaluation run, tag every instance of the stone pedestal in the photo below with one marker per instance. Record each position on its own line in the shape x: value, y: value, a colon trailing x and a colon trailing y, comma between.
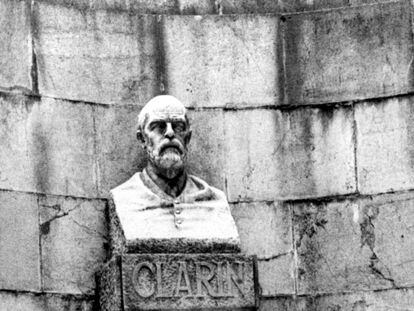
x: 178, y: 253
x: 179, y: 282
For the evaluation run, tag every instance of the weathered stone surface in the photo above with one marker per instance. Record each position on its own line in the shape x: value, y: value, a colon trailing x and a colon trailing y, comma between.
x: 330, y: 256
x: 40, y: 302
x: 270, y: 6
x: 389, y: 300
x: 110, y: 293
x: 48, y: 146
x: 355, y: 245
x: 206, y: 149
x: 118, y: 151
x: 385, y: 129
x: 116, y: 236
x: 264, y: 228
x: 265, y: 231
x: 209, y: 6
x: 275, y: 304
x: 60, y: 143
x: 14, y: 157
x: 348, y: 54
x: 387, y: 228
x: 19, y: 242
x: 215, y: 61
x: 276, y: 275
x: 289, y: 154
x: 15, y: 50
x: 141, y: 6
x: 73, y: 240
x: 98, y: 56
x: 183, y: 281
x: 252, y: 139
x: 285, y: 303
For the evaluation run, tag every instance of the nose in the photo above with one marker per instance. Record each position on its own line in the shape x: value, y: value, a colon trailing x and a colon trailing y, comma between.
x: 169, y: 132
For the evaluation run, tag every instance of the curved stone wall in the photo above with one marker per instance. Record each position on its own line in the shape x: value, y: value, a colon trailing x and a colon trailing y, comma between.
x: 303, y: 116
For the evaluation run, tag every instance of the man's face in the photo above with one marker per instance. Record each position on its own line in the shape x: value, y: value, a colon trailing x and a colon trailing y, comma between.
x: 166, y: 135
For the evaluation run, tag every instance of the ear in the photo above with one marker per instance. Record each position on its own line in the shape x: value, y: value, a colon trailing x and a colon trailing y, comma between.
x: 140, y: 137
x: 188, y: 137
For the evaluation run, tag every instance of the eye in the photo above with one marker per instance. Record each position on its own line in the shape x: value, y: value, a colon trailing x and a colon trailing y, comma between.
x: 179, y: 126
x: 158, y: 126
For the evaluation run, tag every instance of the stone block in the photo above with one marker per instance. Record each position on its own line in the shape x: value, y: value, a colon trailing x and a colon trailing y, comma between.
x: 254, y: 6
x: 275, y: 304
x: 284, y: 303
x: 264, y: 228
x: 118, y: 151
x: 216, y: 61
x: 95, y: 55
x: 354, y: 245
x: 186, y: 282
x: 276, y: 275
x: 252, y: 171
x: 385, y: 129
x: 390, y: 300
x: 61, y: 146
x: 73, y: 241
x: 285, y: 6
x: 24, y: 301
x: 201, y: 7
x: 15, y: 50
x: 179, y: 282
x: 206, y: 149
x: 289, y: 154
x: 48, y: 146
x: 14, y: 156
x: 265, y: 231
x: 349, y: 53
x: 386, y: 227
x: 19, y: 243
x: 141, y: 6
x: 109, y: 286
x: 330, y: 255
x: 393, y: 300
x: 197, y: 7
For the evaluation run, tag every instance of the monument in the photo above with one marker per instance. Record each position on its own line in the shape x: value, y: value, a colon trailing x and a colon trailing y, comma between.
x: 173, y: 242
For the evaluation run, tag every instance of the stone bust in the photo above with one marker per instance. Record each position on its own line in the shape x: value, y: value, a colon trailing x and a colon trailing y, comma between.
x: 163, y: 208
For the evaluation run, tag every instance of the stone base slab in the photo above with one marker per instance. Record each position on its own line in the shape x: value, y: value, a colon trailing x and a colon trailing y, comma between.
x: 134, y: 282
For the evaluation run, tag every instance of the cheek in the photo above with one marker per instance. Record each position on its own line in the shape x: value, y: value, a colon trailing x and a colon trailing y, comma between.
x: 154, y: 141
x: 180, y: 139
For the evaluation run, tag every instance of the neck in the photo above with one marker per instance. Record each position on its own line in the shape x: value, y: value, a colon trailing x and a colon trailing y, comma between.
x: 173, y: 187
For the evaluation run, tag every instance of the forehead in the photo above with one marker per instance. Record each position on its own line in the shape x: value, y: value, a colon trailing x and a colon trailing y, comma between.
x: 166, y: 112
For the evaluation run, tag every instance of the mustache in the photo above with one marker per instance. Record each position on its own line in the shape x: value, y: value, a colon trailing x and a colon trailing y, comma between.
x: 172, y: 144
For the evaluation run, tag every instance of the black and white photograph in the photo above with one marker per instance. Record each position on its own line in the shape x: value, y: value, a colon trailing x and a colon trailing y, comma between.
x: 206, y: 155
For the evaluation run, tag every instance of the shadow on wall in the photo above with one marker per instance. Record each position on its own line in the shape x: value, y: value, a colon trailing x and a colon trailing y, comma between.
x: 41, y: 168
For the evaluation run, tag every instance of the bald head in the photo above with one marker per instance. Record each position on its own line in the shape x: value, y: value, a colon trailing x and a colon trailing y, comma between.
x: 163, y: 107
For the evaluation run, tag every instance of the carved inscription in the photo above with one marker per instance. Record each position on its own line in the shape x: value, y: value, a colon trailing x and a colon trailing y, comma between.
x: 188, y: 281
x: 216, y: 279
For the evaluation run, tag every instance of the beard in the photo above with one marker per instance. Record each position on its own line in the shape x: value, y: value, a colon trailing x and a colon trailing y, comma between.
x: 169, y: 162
